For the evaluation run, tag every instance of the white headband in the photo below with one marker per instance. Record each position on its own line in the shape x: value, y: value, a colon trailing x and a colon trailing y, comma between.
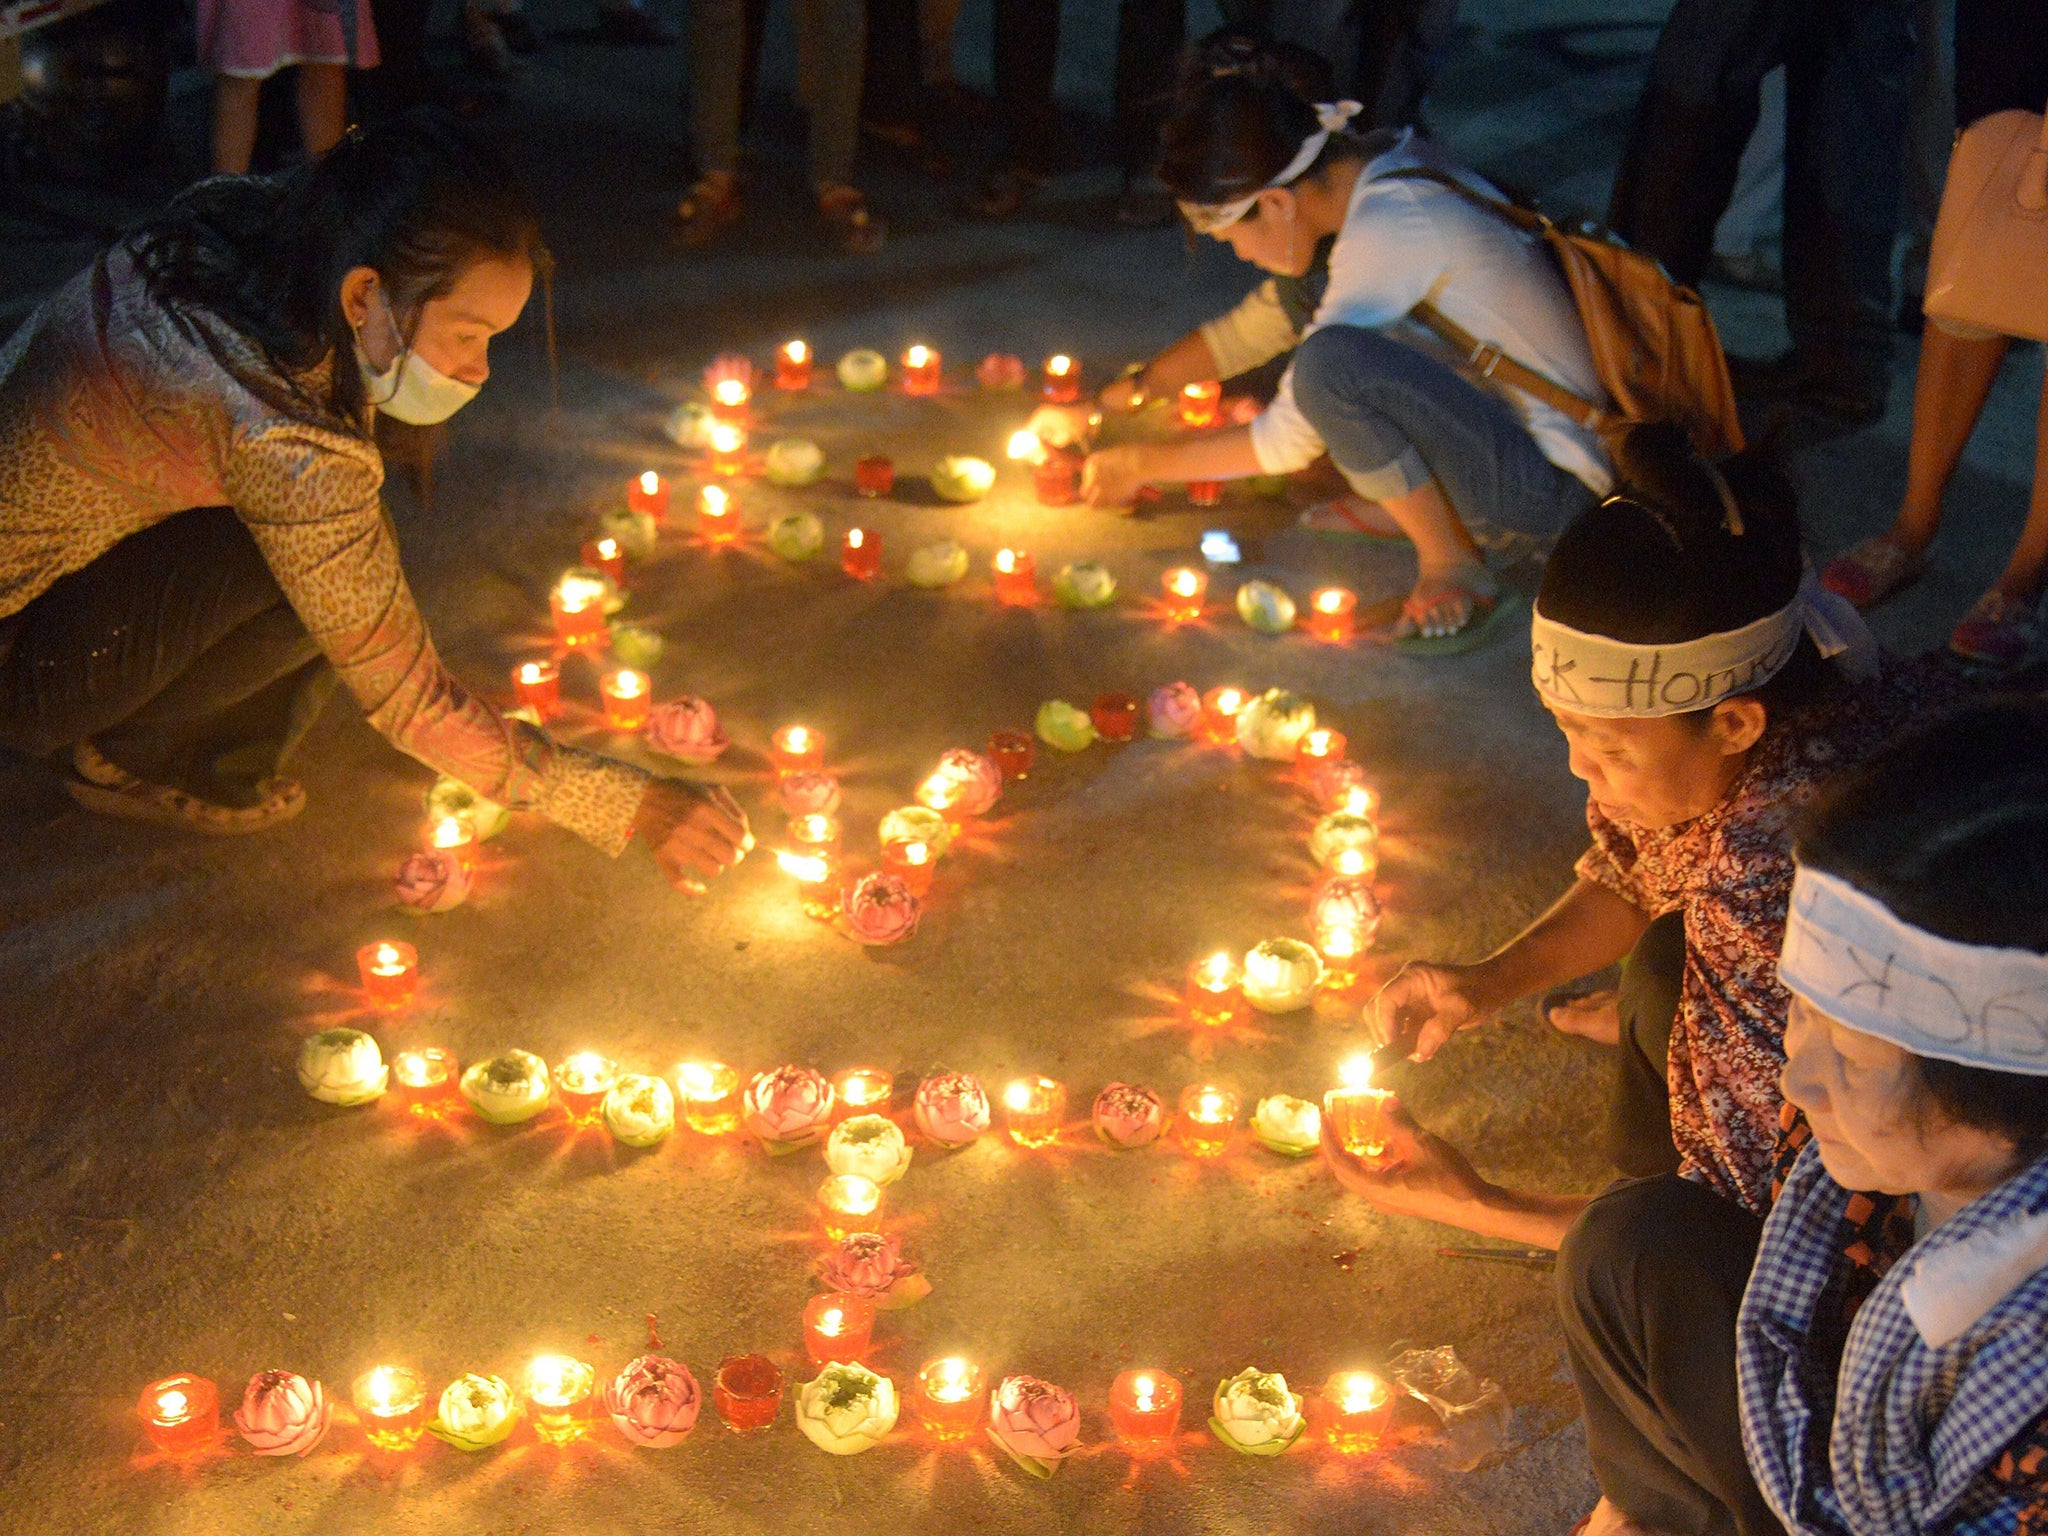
x: 1976, y: 1004
x: 1208, y: 218
x: 1586, y: 674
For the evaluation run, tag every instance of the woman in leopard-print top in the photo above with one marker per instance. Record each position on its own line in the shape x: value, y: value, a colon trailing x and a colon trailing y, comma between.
x: 190, y: 522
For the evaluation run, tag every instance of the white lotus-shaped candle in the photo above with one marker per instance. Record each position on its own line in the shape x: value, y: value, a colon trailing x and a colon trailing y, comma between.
x: 475, y: 1412
x: 796, y: 535
x: 937, y: 565
x: 342, y: 1066
x: 863, y: 370
x: 1265, y: 607
x: 916, y: 824
x: 507, y: 1089
x: 846, y: 1409
x: 1287, y: 1125
x: 1340, y: 831
x: 451, y: 797
x: 963, y: 478
x: 868, y: 1145
x: 1255, y: 1412
x: 689, y: 425
x: 793, y: 461
x: 634, y: 531
x: 1280, y: 975
x: 1272, y: 725
x: 640, y: 1110
x: 1085, y: 584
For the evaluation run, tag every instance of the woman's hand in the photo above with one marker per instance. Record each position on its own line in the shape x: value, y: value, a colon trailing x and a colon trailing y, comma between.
x: 695, y: 831
x: 1419, y: 1174
x: 1424, y: 1005
x: 1113, y: 477
x: 1064, y: 426
x: 1122, y: 396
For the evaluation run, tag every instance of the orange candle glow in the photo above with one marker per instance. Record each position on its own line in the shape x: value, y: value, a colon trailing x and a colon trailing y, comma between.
x: 180, y: 1414
x: 729, y: 399
x: 1362, y: 1405
x: 1357, y: 1110
x: 1186, y: 588
x: 1144, y: 1408
x: 951, y: 1398
x: 728, y: 447
x: 814, y: 829
x: 451, y: 835
x: 796, y: 749
x: 910, y: 860
x: 816, y: 873
x: 1330, y: 614
x: 577, y: 604
x: 1198, y: 403
x: 1033, y: 1110
x: 718, y: 515
x: 423, y: 1082
x: 648, y: 494
x: 865, y: 1090
x: 1220, y: 708
x: 390, y: 972
x: 1208, y: 1118
x: 537, y: 685
x: 625, y: 699
x: 861, y: 555
x: 605, y: 555
x: 711, y: 1097
x: 1016, y: 576
x: 1025, y: 447
x: 557, y: 1391
x: 581, y: 1082
x: 838, y: 1328
x: 391, y: 1401
x: 793, y: 366
x: 1321, y: 745
x: 849, y: 1203
x: 921, y: 371
x: 1062, y: 379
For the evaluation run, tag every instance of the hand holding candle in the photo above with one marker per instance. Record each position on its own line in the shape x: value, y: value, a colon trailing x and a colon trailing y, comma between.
x: 1355, y: 1111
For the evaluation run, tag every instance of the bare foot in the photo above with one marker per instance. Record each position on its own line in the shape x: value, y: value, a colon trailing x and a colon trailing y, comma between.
x: 1595, y: 1017
x: 1351, y: 513
x: 1606, y: 1520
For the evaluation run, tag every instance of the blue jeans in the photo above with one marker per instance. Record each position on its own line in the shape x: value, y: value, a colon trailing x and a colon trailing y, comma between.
x: 1393, y: 417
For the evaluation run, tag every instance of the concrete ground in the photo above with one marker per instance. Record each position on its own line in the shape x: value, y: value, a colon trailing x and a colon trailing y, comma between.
x: 176, y: 1202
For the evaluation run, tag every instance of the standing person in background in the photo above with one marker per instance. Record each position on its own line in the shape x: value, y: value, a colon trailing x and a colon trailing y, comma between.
x: 245, y: 42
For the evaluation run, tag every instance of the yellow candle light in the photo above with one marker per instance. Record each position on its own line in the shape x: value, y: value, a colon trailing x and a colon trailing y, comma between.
x: 793, y: 366
x: 849, y: 1203
x: 730, y: 395
x: 711, y: 1097
x: 581, y: 1082
x: 452, y: 835
x: 865, y: 1090
x: 424, y: 1081
x: 728, y: 443
x: 391, y: 1402
x: 1033, y: 1108
x: 717, y: 515
x: 949, y: 1398
x: 1026, y: 447
x: 625, y: 699
x: 796, y: 749
x: 921, y: 371
x: 577, y: 603
x: 816, y: 873
x: 558, y: 1397
x: 1185, y: 587
x: 1359, y: 801
x: 1357, y: 1110
x: 1208, y: 1115
x: 1062, y: 379
x: 1362, y: 1405
x: 1212, y: 990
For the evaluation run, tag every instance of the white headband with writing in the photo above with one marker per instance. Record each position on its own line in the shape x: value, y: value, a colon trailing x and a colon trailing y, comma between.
x: 1208, y: 218
x: 1848, y: 956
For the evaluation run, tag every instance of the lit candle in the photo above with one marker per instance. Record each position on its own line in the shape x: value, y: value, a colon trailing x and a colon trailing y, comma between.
x: 910, y: 860
x: 1144, y: 1407
x: 1342, y: 832
x: 1354, y: 863
x: 605, y: 555
x: 1198, y: 403
x: 1340, y: 943
x: 1013, y: 752
x: 793, y: 366
x: 865, y: 1090
x: 1062, y: 379
x: 942, y: 792
x: 180, y: 1414
x: 848, y: 1202
x: 838, y: 1328
x: 1016, y: 576
x: 558, y: 1397
x: 1330, y: 612
x: 796, y: 749
x: 581, y: 1082
x: 1208, y: 1115
x: 1056, y: 478
x: 537, y: 685
x: 1357, y: 1110
x: 390, y: 972
x: 921, y: 371
x: 1318, y: 746
x: 718, y: 515
x: 747, y: 1392
x: 577, y: 603
x: 1213, y: 994
x: 814, y: 829
x: 1025, y: 447
x: 1033, y: 1108
x: 1220, y: 708
x: 451, y: 835
x: 728, y: 448
x: 729, y: 399
x: 711, y: 1097
x: 1204, y: 493
x: 1358, y: 800
x: 1185, y: 588
x: 424, y: 1081
x: 874, y: 475
x: 950, y: 1399
x: 1115, y: 716
x: 861, y: 555
x: 1361, y: 1407
x: 648, y: 494
x: 816, y: 873
x: 625, y: 699
x: 391, y: 1401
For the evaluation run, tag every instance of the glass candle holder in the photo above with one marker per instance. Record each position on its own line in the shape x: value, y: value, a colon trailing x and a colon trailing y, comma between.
x: 1361, y: 1407
x: 942, y: 792
x: 793, y: 365
x: 577, y: 604
x: 390, y: 969
x: 747, y: 1392
x: 581, y: 1082
x: 391, y: 1401
x: 1331, y: 613
x: 711, y: 1097
x: 180, y: 1414
x: 558, y: 1392
x: 604, y: 555
x: 951, y: 1398
x: 849, y: 1203
x: 1319, y: 746
x: 718, y: 515
x: 625, y: 699
x: 1033, y: 1110
x: 910, y: 860
x: 1198, y: 403
x: 1220, y: 708
x: 729, y: 399
x: 453, y: 836
x: 796, y: 749
x: 728, y: 448
x: 1340, y: 943
x: 1016, y: 578
x: 1056, y: 478
x: 874, y: 475
x: 1062, y: 379
x: 1207, y: 1119
x: 1356, y: 1111
x: 1013, y: 752
x: 864, y: 1090
x: 814, y: 829
x: 537, y: 685
x: 921, y: 371
x: 1215, y: 990
x: 1144, y: 1407
x: 1204, y: 493
x: 1115, y: 716
x: 817, y: 876
x: 838, y: 1328
x: 424, y: 1082
x: 861, y: 555
x: 1185, y: 589
x: 650, y: 494
x: 1354, y: 863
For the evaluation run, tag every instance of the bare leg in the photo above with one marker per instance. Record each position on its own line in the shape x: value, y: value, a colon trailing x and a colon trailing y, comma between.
x: 234, y: 123
x: 1948, y: 395
x: 1446, y: 559
x: 2025, y: 572
x: 322, y: 91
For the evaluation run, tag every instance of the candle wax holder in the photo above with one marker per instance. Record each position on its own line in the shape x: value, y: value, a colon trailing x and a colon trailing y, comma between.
x: 1331, y: 613
x: 941, y: 793
x: 1358, y: 1117
x: 1016, y: 578
x: 874, y: 475
x: 579, y: 617
x: 625, y: 699
x: 558, y: 1393
x: 817, y: 876
x: 1198, y: 403
x: 1033, y: 1110
x: 814, y: 829
x: 864, y: 1090
x: 951, y: 1398
x: 537, y: 685
x: 180, y: 1414
x: 1144, y: 1408
x: 1207, y: 1120
x: 848, y: 1202
x: 390, y: 971
x: 391, y: 1401
x: 1220, y: 707
x: 1062, y: 379
x: 1319, y: 746
x: 921, y: 371
x: 1056, y: 478
x: 1215, y: 990
x: 796, y: 749
x: 747, y: 1392
x: 728, y: 454
x: 838, y: 1328
x: 729, y: 399
x: 649, y: 494
x: 718, y: 515
x: 1204, y: 493
x: 604, y: 555
x: 1012, y: 752
x: 793, y: 365
x: 910, y: 860
x: 1185, y: 588
x: 424, y: 1082
x: 453, y: 836
x: 1115, y: 716
x: 1361, y: 1407
x: 581, y: 1082
x: 711, y: 1097
x: 861, y: 555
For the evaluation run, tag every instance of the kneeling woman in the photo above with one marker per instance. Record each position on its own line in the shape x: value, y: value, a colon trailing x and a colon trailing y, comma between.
x: 190, y: 523
x: 1411, y: 426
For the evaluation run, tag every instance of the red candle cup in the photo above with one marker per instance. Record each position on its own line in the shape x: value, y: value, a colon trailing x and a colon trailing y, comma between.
x: 581, y: 1082
x: 180, y: 1414
x: 605, y: 555
x: 1219, y: 714
x: 1115, y: 716
x: 729, y: 399
x: 390, y: 972
x: 537, y: 685
x: 796, y: 749
x: 577, y: 604
x: 861, y: 555
x: 1214, y: 994
x: 793, y: 365
x: 649, y: 494
x: 1198, y: 403
x: 1056, y: 478
x: 1207, y: 1119
x: 424, y: 1082
x: 1319, y: 746
x: 453, y: 836
x: 718, y: 515
x: 874, y: 475
x: 910, y: 860
x: 1144, y: 1408
x: 1205, y: 493
x: 1062, y: 379
x: 625, y: 699
x: 1016, y: 578
x: 838, y: 1328
x: 921, y: 371
x: 1185, y: 588
x: 1331, y: 612
x: 951, y: 1398
x: 747, y: 1392
x: 1013, y: 752
x: 728, y: 456
x: 1361, y: 1407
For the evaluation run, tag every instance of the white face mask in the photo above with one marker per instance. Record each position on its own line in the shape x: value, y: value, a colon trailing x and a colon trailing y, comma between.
x: 411, y: 390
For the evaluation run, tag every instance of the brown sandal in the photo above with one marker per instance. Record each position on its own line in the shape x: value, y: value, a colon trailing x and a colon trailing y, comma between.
x: 108, y: 789
x: 708, y: 209
x: 844, y: 213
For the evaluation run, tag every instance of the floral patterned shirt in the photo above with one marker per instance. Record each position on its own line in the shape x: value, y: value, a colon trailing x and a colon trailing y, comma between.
x: 116, y: 414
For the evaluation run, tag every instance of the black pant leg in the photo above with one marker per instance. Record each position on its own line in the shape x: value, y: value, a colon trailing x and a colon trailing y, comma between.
x: 1639, y: 1115
x: 895, y: 72
x: 1026, y: 54
x: 1150, y: 38
x: 1649, y: 1279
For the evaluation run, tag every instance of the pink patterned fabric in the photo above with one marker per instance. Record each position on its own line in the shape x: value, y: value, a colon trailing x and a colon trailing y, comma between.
x: 254, y: 39
x: 113, y: 417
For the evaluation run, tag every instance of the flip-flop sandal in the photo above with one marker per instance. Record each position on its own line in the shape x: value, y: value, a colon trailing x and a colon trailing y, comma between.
x: 1332, y: 519
x: 108, y: 789
x: 1492, y: 618
x: 1998, y: 631
x: 704, y: 214
x: 1869, y: 572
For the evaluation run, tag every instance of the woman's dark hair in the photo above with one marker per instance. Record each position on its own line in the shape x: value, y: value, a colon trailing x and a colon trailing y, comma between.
x: 418, y: 199
x: 1239, y: 115
x: 1948, y: 827
x: 1661, y: 561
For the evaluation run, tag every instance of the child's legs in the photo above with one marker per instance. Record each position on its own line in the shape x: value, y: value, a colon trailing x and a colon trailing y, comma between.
x: 234, y: 123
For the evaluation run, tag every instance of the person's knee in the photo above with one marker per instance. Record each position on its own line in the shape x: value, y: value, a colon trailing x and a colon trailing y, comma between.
x: 1652, y: 978
x: 1333, y: 368
x: 1607, y: 1250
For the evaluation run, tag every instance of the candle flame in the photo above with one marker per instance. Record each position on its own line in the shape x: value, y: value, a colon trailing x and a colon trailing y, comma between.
x: 1020, y: 1095
x: 556, y: 1381
x: 628, y: 684
x: 450, y: 833
x: 730, y: 392
x: 1026, y: 446
x: 650, y: 483
x: 855, y: 537
x: 1059, y: 364
x: 387, y: 957
x: 1349, y: 862
x: 713, y: 501
x: 917, y: 853
x: 1007, y: 559
x: 796, y: 738
x: 727, y: 438
x: 1182, y: 582
x: 1229, y: 701
x: 1141, y: 1394
x: 917, y: 356
x: 1356, y: 1073
x: 1330, y: 600
x: 410, y: 1067
x: 1360, y: 1391
x: 810, y: 868
x: 812, y: 827
x: 699, y: 1079
x: 830, y: 1321
x: 1209, y: 1104
x: 1340, y: 941
x: 607, y: 549
x: 531, y: 672
x: 380, y: 1387
x: 947, y: 1381
x: 1216, y: 971
x: 172, y: 1405
x: 1357, y: 801
x: 576, y: 592
x: 850, y: 1194
x: 795, y: 351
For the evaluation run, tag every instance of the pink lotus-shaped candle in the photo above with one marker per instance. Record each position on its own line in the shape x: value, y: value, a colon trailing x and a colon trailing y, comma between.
x: 1000, y: 370
x: 870, y: 1264
x: 1175, y: 711
x: 687, y: 729
x: 1332, y: 784
x: 654, y: 1400
x: 1036, y: 1422
x: 433, y: 881
x: 1127, y: 1115
x: 977, y: 782
x: 733, y: 366
x: 809, y: 794
x: 787, y: 1108
x: 1346, y: 902
x: 282, y: 1414
x: 881, y: 910
x: 951, y: 1108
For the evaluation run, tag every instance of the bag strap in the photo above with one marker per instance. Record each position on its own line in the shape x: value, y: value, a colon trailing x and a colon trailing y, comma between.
x: 1489, y: 362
